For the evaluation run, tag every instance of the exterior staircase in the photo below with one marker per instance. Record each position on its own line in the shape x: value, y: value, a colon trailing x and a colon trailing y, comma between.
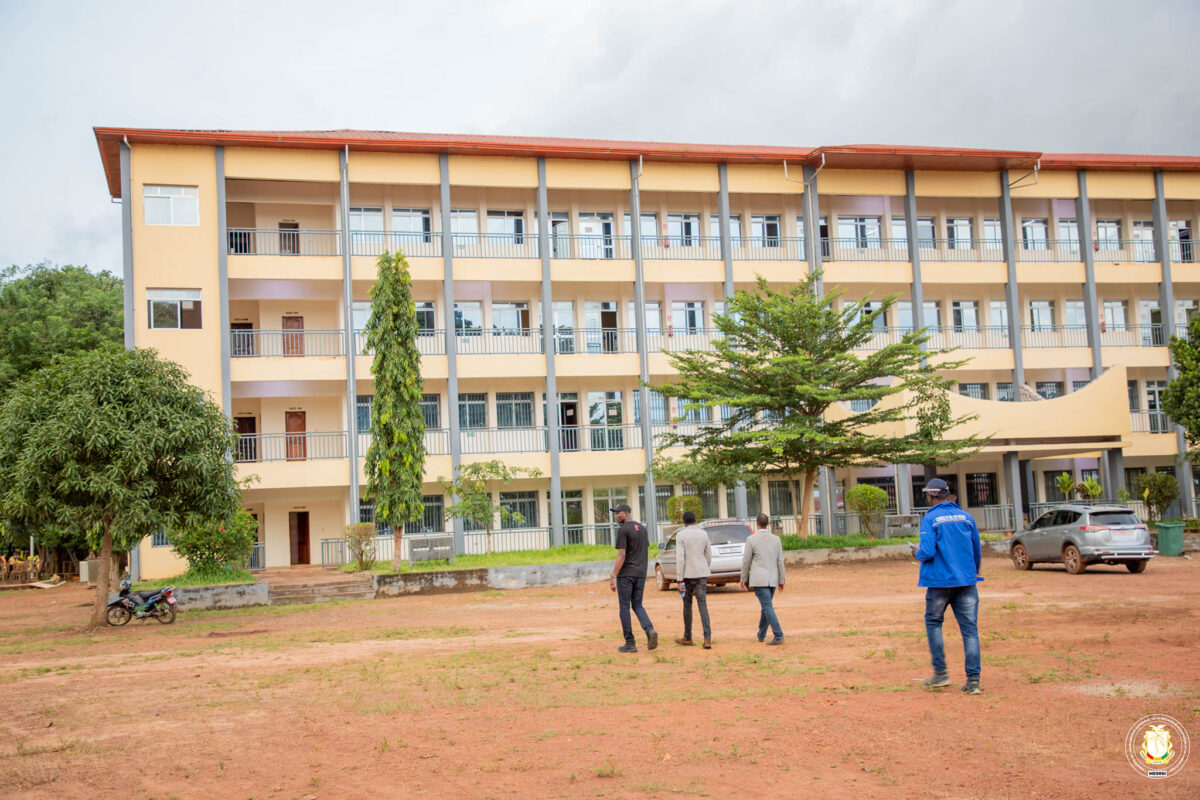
x: 345, y: 589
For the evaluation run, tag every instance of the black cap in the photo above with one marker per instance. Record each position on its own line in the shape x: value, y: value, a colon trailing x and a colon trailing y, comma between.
x: 623, y: 507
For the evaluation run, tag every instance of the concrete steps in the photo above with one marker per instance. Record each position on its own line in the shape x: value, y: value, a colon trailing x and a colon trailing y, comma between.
x: 349, y: 589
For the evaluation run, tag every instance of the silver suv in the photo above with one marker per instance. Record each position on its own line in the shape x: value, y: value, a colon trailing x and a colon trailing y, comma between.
x: 1078, y: 535
x: 727, y: 538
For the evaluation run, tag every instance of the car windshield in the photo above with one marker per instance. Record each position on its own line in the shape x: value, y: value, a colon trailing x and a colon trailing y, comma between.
x: 729, y: 534
x: 1114, y: 518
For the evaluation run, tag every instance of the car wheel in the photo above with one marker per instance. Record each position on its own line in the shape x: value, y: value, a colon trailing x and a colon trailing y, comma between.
x: 1137, y: 566
x: 1020, y: 557
x: 1073, y: 560
x: 664, y: 585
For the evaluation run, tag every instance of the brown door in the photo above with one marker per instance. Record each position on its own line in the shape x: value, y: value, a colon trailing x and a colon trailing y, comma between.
x: 241, y: 341
x: 247, y: 428
x: 295, y: 424
x: 298, y: 528
x: 293, y: 336
x: 289, y: 238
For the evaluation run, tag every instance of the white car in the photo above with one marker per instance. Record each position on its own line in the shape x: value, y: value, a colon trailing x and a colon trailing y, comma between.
x: 728, y: 540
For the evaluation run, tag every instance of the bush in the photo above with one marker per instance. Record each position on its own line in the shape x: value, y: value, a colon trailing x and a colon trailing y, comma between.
x: 211, y: 548
x: 869, y: 502
x: 1158, y: 490
x: 677, y: 505
x: 360, y: 540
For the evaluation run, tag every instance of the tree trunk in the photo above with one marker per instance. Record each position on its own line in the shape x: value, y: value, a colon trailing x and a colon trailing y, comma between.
x: 810, y: 478
x: 795, y: 506
x: 100, y: 608
x: 397, y: 550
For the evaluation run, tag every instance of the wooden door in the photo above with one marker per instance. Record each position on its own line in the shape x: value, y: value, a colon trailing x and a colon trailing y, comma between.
x: 247, y: 429
x: 295, y: 424
x: 293, y: 336
x: 298, y: 531
x: 240, y: 340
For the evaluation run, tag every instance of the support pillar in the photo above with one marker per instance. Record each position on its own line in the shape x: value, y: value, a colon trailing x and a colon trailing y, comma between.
x: 739, y: 489
x: 1012, y: 480
x: 650, y: 507
x: 451, y: 338
x: 348, y: 336
x: 917, y: 290
x: 903, y: 480
x: 1091, y: 305
x: 1012, y: 297
x: 543, y: 212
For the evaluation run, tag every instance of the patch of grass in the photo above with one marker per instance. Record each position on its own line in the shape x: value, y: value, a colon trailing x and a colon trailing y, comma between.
x: 565, y: 554
x: 608, y: 770
x: 218, y: 577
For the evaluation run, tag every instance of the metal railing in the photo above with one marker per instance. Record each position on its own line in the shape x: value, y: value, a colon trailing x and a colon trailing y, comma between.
x: 1118, y: 250
x: 481, y: 441
x: 599, y: 438
x: 1041, y: 336
x: 375, y: 243
x: 506, y: 540
x: 430, y: 342
x: 604, y: 533
x: 265, y: 344
x: 1048, y: 250
x: 277, y: 242
x: 972, y: 338
x: 437, y: 442
x: 1182, y: 252
x: 1133, y: 336
x: 677, y: 340
x: 989, y: 519
x: 308, y: 446
x: 786, y: 524
x: 498, y: 341
x: 258, y: 557
x: 959, y: 250
x: 865, y: 249
x: 589, y: 247
x: 1150, y: 422
x: 676, y: 248
x: 594, y: 341
x: 767, y: 248
x: 494, y: 245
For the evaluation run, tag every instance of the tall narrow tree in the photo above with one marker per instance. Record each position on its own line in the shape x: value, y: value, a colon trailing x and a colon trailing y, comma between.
x: 1181, y: 400
x: 783, y: 359
x: 396, y: 456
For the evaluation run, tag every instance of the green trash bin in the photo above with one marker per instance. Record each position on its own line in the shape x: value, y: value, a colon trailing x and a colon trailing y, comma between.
x: 1170, y: 538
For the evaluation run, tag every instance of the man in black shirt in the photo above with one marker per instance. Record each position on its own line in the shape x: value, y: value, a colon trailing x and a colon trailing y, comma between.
x: 629, y: 577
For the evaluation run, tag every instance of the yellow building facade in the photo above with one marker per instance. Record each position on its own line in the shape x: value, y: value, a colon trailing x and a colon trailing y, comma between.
x: 566, y: 269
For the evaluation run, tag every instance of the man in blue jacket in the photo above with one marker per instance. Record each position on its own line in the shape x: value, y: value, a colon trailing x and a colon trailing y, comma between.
x: 950, y: 555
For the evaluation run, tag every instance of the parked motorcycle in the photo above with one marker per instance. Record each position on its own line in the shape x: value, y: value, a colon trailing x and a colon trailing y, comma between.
x: 156, y: 603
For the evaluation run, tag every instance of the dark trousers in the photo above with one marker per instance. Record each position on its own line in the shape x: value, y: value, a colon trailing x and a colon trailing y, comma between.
x: 629, y: 593
x: 697, y: 587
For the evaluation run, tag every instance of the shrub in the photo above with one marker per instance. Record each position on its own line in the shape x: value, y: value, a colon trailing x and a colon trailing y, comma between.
x: 360, y: 540
x: 869, y: 502
x: 1066, y: 484
x: 1090, y: 489
x: 1158, y: 490
x: 677, y: 505
x: 212, y: 547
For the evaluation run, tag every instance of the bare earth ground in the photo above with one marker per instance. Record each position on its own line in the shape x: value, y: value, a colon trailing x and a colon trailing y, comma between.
x: 522, y: 694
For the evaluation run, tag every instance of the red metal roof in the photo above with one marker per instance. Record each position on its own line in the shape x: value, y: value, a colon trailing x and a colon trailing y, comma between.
x: 859, y: 156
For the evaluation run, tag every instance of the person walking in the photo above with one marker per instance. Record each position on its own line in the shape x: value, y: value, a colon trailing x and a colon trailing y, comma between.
x: 950, y: 554
x: 629, y: 577
x: 693, y: 554
x: 763, y: 573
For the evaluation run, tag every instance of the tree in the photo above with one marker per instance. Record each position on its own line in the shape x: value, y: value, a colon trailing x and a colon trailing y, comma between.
x: 49, y: 310
x: 783, y: 360
x: 1181, y: 400
x: 1158, y: 490
x: 687, y: 502
x: 869, y: 502
x: 1090, y: 489
x: 396, y: 456
x: 216, y: 544
x: 1066, y: 484
x: 473, y: 487
x: 117, y: 444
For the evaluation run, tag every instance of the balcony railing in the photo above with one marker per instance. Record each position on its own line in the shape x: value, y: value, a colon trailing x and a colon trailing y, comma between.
x: 276, y: 242
x: 1132, y: 336
x: 681, y: 248
x: 1150, y: 422
x: 1124, y: 250
x: 864, y: 249
x: 371, y: 243
x: 605, y: 534
x: 430, y: 342
x: 1048, y: 250
x: 310, y: 446
x: 959, y: 250
x: 437, y: 442
x: 1041, y: 336
x: 498, y: 341
x: 256, y: 343
x: 481, y: 441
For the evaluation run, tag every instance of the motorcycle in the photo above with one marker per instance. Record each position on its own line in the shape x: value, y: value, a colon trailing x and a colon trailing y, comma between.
x: 156, y: 603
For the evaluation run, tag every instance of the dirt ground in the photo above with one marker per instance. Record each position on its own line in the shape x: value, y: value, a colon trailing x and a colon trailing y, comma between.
x: 522, y: 694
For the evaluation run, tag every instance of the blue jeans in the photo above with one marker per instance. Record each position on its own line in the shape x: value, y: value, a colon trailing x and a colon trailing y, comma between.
x: 767, y: 617
x: 629, y: 593
x: 965, y: 602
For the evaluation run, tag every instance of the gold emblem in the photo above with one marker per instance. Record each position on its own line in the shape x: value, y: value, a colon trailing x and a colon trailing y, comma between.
x: 1157, y: 746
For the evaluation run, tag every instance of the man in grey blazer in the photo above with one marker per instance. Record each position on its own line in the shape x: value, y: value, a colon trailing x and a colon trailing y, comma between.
x: 763, y: 572
x: 693, y: 556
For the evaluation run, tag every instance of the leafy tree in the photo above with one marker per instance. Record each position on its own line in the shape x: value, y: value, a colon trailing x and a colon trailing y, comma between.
x: 48, y: 310
x: 215, y: 544
x: 1066, y: 484
x: 869, y: 502
x: 117, y: 444
x: 396, y: 456
x: 783, y: 360
x: 687, y: 502
x: 1090, y: 489
x: 1158, y: 490
x: 474, y: 487
x: 1181, y: 400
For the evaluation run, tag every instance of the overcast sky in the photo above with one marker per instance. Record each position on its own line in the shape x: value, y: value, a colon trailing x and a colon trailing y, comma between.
x: 1094, y: 76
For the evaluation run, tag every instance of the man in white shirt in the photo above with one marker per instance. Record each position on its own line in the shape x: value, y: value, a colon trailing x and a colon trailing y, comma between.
x: 694, y: 560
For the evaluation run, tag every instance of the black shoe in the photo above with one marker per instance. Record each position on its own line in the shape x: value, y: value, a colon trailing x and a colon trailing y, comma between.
x: 972, y: 686
x: 936, y: 681
x: 762, y: 638
x: 776, y: 640
x: 651, y: 639
x: 627, y: 648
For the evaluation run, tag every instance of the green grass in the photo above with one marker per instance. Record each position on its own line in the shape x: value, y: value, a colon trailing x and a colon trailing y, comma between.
x: 217, y: 577
x: 793, y: 542
x: 555, y: 555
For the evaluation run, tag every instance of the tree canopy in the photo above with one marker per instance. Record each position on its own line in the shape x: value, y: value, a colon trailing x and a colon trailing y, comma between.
x: 782, y: 360
x: 473, y: 487
x: 114, y: 443
x: 49, y: 310
x: 1181, y: 400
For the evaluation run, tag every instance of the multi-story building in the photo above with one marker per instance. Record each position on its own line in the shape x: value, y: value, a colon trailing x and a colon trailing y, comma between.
x: 563, y: 269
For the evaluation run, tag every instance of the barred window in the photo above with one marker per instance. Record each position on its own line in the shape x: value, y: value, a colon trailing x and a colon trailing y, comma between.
x: 514, y: 410
x: 159, y: 538
x: 523, y: 503
x: 431, y: 410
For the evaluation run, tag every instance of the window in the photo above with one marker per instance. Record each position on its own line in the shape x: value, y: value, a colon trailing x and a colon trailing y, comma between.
x: 708, y: 499
x: 510, y: 318
x: 171, y: 205
x: 1074, y: 315
x: 977, y: 390
x: 506, y: 226
x: 658, y: 408
x: 870, y: 307
x: 1086, y: 474
x: 464, y: 225
x: 159, y: 538
x: 524, y: 504
x: 1041, y: 315
x: 472, y: 410
x: 1050, y: 483
x: 966, y: 315
x: 1049, y: 389
x: 431, y: 410
x: 683, y: 230
x: 362, y: 411
x: 663, y: 494
x: 654, y: 323
x: 602, y: 502
x: 1033, y: 234
x: 412, y: 224
x: 1068, y: 235
x: 1077, y: 385
x: 1131, y: 388
x: 779, y: 497
x: 735, y: 228
x: 426, y: 322
x: 860, y: 404
x: 753, y: 501
x: 992, y: 235
x: 899, y: 230
x: 514, y: 410
x: 1108, y: 234
x: 1185, y: 312
x: 1131, y: 476
x: 468, y: 318
x: 958, y: 233
x: 932, y: 311
x: 1004, y: 392
x: 764, y: 231
x: 560, y: 233
x: 981, y: 489
x: 859, y: 231
x: 596, y: 235
x: 648, y: 229
x: 998, y: 314
x: 368, y: 220
x: 173, y: 308
x: 687, y: 316
x: 1116, y: 315
x: 432, y: 519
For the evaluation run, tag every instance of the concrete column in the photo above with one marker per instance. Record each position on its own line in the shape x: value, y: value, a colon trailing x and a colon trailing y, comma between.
x: 1030, y: 487
x: 810, y: 206
x: 1091, y: 305
x: 1012, y: 479
x: 903, y: 480
x: 127, y: 244
x: 1166, y: 301
x: 451, y: 339
x: 1116, y: 470
x: 1106, y: 477
x: 1011, y: 295
x: 348, y: 335
x: 543, y: 212
x: 639, y: 302
x: 223, y: 282
x: 828, y: 500
x: 739, y: 490
x: 917, y: 291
